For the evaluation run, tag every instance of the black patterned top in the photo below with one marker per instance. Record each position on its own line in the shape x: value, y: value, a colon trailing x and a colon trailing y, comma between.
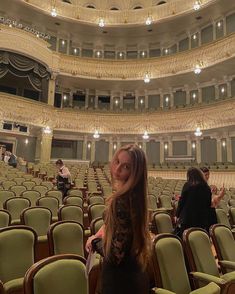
x: 123, y: 234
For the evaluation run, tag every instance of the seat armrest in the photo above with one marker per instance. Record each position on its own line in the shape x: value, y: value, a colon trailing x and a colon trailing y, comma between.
x: 227, y: 264
x: 210, y: 288
x: 161, y: 291
x: 207, y: 278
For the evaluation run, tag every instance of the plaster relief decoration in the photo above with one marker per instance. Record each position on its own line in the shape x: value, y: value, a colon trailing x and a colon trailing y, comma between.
x: 22, y: 42
x: 180, y: 63
x: 216, y: 115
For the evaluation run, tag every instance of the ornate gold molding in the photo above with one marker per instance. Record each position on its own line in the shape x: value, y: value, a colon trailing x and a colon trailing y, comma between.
x: 216, y: 115
x: 24, y: 43
x: 123, y: 17
x: 179, y: 63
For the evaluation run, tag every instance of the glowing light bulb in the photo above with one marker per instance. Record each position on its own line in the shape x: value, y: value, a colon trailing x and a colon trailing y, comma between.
x: 53, y: 12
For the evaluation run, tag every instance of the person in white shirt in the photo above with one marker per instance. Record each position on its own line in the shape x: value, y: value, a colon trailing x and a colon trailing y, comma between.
x: 63, y: 178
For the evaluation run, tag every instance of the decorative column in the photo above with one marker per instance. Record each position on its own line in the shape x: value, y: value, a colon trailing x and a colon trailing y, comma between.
x: 146, y: 99
x: 161, y: 98
x: 118, y: 143
x: 110, y: 148
x: 136, y: 100
x: 92, y: 151
x: 218, y: 150
x: 111, y: 101
x: 198, y: 150
x: 171, y: 98
x: 229, y: 149
x: 38, y: 148
x: 96, y: 101
x: 57, y: 44
x: 161, y: 151
x: 216, y: 92
x: 199, y: 93
x: 189, y: 147
x: 45, y: 150
x: 144, y: 146
x: 187, y: 94
x: 51, y: 90
x: 71, y: 99
x: 214, y: 30
x: 86, y: 98
x: 121, y: 100
x: 84, y: 148
x: 229, y: 89
x: 170, y: 148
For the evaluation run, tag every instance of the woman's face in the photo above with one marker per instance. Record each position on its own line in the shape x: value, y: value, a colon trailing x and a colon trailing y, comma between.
x: 207, y: 175
x: 121, y: 167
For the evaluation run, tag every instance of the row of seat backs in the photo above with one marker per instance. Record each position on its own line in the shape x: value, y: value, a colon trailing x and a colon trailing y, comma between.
x: 223, y: 218
x: 170, y: 268
x: 56, y: 274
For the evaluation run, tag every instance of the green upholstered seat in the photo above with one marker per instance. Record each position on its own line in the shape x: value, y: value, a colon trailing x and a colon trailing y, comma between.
x: 51, y: 203
x: 152, y: 202
x: 29, y: 184
x: 18, y: 189
x: 232, y: 215
x: 168, y: 258
x: 32, y: 196
x: 75, y: 192
x: 57, y: 194
x: 66, y: 237
x: 41, y: 189
x: 57, y: 275
x: 95, y: 210
x: 73, y: 200
x: 201, y: 260
x: 17, y: 249
x: 96, y: 224
x: 162, y: 223
x: 15, y: 206
x: 4, y: 195
x: 224, y: 243
x: 222, y: 217
x: 8, y: 183
x: 95, y: 200
x: 71, y: 213
x: 5, y: 218
x: 170, y: 270
x: 49, y: 185
x: 38, y: 218
x: 19, y: 180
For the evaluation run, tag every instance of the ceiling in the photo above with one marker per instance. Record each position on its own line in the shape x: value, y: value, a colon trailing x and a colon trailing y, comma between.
x: 164, y: 32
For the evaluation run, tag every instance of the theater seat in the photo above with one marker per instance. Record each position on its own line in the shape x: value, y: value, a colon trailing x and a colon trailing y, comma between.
x: 60, y: 274
x: 202, y: 262
x: 17, y: 247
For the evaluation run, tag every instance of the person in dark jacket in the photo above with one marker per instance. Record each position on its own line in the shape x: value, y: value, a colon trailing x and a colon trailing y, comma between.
x: 195, y: 202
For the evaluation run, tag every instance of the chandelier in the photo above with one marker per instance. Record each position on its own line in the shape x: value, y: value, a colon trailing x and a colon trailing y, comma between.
x: 96, y: 135
x: 198, y: 132
x: 145, y: 135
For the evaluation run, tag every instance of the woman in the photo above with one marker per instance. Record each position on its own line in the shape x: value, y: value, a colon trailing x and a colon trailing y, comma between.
x: 215, y: 196
x: 125, y: 234
x: 63, y: 177
x: 195, y: 202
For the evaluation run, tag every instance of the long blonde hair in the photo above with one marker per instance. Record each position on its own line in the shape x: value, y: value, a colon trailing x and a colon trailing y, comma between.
x: 135, y: 188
